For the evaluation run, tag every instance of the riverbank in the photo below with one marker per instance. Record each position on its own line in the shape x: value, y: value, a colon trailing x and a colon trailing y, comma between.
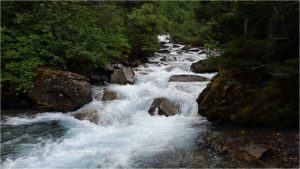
x: 269, y: 147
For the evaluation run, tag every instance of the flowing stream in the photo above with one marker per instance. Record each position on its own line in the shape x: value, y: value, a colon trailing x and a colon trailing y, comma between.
x: 126, y: 135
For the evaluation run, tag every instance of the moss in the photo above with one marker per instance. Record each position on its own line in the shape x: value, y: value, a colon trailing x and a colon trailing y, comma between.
x: 234, y: 100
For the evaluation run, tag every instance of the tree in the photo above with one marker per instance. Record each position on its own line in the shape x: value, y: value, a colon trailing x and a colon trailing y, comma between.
x: 144, y: 24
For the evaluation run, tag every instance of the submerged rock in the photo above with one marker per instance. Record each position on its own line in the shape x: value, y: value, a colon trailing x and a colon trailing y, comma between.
x: 123, y: 75
x: 164, y: 106
x: 187, y: 78
x: 60, y: 90
x: 91, y: 116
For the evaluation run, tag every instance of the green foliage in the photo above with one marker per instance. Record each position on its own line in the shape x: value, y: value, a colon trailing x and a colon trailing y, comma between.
x: 181, y: 21
x: 144, y: 25
x: 20, y: 74
x: 76, y: 36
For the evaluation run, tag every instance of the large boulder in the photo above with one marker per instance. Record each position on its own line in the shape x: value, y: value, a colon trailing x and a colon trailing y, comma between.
x: 91, y: 116
x: 187, y: 78
x: 204, y: 66
x: 60, y: 90
x: 164, y: 106
x: 122, y: 75
x: 245, y: 100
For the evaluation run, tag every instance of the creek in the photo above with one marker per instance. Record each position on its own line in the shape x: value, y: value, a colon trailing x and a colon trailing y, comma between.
x: 126, y: 135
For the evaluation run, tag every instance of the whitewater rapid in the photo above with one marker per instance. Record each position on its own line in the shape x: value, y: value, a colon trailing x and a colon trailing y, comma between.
x: 126, y: 135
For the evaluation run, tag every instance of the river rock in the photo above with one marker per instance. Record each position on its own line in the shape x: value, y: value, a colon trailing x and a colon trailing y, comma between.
x: 122, y: 75
x: 165, y: 107
x: 60, y: 90
x: 163, y: 59
x: 91, y: 116
x: 187, y: 78
x: 216, y: 140
x: 252, y: 152
x: 164, y: 51
x: 109, y: 95
x: 203, y: 67
x: 176, y: 46
x: 186, y: 47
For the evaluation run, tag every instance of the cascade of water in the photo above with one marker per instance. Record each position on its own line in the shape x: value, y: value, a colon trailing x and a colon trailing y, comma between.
x: 125, y: 134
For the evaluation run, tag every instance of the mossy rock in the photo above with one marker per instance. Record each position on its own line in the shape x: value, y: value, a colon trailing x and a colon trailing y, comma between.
x: 271, y: 102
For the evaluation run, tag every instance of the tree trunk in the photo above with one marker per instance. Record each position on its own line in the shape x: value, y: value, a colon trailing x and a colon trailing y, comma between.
x: 245, y: 26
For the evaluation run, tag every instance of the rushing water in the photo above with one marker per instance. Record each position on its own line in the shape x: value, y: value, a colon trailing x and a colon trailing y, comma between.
x: 126, y: 135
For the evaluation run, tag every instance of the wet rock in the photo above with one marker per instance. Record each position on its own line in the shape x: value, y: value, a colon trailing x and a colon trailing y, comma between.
x: 118, y: 66
x: 176, y: 46
x: 153, y: 62
x: 190, y: 59
x: 109, y: 95
x: 164, y: 106
x: 99, y: 96
x: 123, y: 75
x: 186, y: 47
x: 180, y: 51
x: 164, y: 51
x: 202, y: 52
x: 252, y: 152
x: 91, y: 116
x: 163, y: 59
x: 187, y: 78
x: 60, y: 90
x: 203, y: 67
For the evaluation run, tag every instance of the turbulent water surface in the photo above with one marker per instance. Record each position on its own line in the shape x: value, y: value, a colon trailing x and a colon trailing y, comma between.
x: 126, y: 136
